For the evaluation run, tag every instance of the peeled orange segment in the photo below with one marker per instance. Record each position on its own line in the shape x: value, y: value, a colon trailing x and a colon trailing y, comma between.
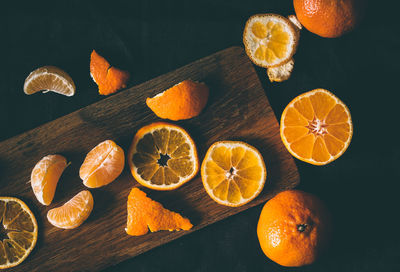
x: 163, y: 156
x: 73, y: 213
x: 49, y: 79
x: 108, y: 78
x: 233, y: 173
x: 45, y: 176
x: 102, y: 165
x: 183, y: 101
x: 145, y: 213
x: 316, y: 127
x: 18, y: 231
x: 270, y: 40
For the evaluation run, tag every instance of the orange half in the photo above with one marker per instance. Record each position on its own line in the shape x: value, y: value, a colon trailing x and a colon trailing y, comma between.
x: 316, y: 127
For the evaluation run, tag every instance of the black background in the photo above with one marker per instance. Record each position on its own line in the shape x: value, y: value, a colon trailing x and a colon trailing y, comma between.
x: 149, y: 38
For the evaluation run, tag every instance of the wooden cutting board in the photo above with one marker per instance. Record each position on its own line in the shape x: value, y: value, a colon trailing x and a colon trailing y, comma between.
x: 237, y: 110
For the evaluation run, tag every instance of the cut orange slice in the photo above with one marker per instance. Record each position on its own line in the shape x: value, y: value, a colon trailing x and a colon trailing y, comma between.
x: 49, y: 79
x: 233, y: 173
x: 163, y: 156
x: 316, y: 127
x: 73, y: 213
x: 145, y: 213
x: 102, y: 165
x: 18, y: 232
x: 270, y: 39
x: 45, y: 176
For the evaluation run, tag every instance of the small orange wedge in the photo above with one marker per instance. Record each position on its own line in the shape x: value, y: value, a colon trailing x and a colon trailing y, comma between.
x: 73, y: 213
x: 108, y: 78
x: 45, y: 176
x: 102, y: 165
x: 145, y: 213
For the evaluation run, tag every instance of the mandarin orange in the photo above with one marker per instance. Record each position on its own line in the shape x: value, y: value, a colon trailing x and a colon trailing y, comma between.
x: 293, y: 228
x: 329, y: 18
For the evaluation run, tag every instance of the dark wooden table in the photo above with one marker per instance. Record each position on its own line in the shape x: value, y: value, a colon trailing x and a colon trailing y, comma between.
x: 150, y: 38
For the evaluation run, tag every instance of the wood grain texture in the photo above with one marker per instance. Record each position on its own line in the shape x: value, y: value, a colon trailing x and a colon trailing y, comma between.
x: 237, y: 110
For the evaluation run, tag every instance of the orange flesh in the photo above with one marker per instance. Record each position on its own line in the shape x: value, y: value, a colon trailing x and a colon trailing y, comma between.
x: 145, y: 213
x: 45, y: 176
x: 317, y: 127
x: 102, y: 165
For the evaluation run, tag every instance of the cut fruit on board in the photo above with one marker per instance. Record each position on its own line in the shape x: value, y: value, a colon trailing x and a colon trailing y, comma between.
x: 233, y: 173
x: 73, y: 213
x: 163, y: 156
x: 20, y: 232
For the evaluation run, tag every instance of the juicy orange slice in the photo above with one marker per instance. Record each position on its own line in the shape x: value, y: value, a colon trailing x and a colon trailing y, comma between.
x: 233, y: 173
x: 145, y: 213
x: 270, y: 40
x: 108, y: 78
x: 316, y: 127
x: 45, y: 176
x: 73, y: 213
x: 49, y: 79
x: 163, y: 156
x: 18, y: 231
x: 182, y: 101
x: 102, y: 165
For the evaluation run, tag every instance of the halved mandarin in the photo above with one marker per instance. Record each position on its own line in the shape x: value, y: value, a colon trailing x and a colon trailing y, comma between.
x: 73, y: 213
x: 45, y: 176
x: 18, y: 231
x: 270, y: 39
x: 233, y: 173
x: 163, y: 156
x: 102, y: 165
x: 316, y: 127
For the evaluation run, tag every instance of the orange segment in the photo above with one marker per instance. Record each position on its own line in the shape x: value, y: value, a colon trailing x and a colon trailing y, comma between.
x: 49, y: 79
x: 270, y: 40
x: 233, y: 173
x: 109, y: 79
x: 182, y: 101
x: 163, y: 156
x: 45, y: 176
x: 18, y: 232
x: 316, y: 127
x: 145, y: 213
x: 73, y: 213
x: 102, y: 165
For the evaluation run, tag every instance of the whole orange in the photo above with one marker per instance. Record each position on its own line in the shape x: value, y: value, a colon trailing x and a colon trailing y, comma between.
x: 329, y: 18
x: 294, y: 228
